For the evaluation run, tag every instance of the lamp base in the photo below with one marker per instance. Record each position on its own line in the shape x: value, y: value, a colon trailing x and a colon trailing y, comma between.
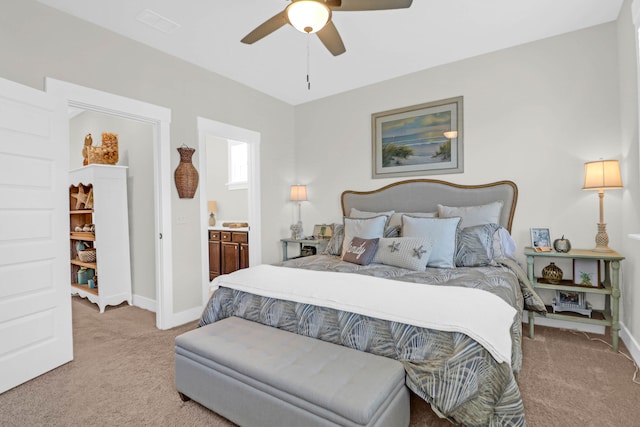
x: 212, y: 219
x: 297, y: 232
x: 602, y: 239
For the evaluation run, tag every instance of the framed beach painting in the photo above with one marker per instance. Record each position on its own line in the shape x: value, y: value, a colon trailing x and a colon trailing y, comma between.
x: 423, y: 139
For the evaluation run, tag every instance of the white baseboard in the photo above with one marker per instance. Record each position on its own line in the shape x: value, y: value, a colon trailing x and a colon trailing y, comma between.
x: 144, y: 302
x: 174, y: 319
x: 185, y: 316
x: 630, y: 342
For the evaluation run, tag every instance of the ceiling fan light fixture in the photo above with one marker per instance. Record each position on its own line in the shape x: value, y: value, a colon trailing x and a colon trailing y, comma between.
x: 308, y: 16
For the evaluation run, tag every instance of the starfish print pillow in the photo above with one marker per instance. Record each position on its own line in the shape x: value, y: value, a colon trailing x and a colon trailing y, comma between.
x: 406, y: 252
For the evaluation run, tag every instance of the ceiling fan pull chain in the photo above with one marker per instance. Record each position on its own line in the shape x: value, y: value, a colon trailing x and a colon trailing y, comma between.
x: 308, y: 62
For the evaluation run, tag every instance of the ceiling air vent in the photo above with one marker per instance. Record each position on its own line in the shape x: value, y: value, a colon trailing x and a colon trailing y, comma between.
x: 157, y: 21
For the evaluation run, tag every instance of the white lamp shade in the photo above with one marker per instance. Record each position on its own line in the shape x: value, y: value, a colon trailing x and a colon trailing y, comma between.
x: 298, y: 193
x: 212, y: 206
x: 602, y: 175
x: 308, y: 16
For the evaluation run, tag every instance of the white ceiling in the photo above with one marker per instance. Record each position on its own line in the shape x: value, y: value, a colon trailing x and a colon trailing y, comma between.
x: 380, y: 45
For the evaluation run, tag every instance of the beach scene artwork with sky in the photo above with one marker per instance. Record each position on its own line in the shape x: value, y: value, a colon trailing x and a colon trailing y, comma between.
x: 416, y: 141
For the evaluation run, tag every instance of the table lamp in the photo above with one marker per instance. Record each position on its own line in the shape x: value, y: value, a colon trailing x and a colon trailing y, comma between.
x: 602, y: 175
x: 298, y: 194
x: 212, y: 207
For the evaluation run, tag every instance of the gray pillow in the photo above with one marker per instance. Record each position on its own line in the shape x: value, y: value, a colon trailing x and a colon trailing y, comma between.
x: 334, y: 246
x: 365, y: 228
x: 475, y: 246
x: 361, y: 251
x: 443, y: 232
x: 473, y: 215
x: 406, y: 252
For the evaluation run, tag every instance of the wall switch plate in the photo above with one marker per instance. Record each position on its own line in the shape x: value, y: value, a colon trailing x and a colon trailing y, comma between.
x: 181, y: 219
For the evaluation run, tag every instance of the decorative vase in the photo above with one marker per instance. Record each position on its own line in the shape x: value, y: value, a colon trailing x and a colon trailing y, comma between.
x: 186, y: 175
x: 83, y: 276
x: 562, y: 245
x: 552, y: 273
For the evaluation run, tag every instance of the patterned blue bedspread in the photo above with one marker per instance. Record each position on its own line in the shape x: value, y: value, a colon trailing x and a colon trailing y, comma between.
x: 455, y: 374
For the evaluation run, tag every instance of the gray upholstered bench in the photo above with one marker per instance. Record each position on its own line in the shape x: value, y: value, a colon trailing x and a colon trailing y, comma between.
x: 256, y: 375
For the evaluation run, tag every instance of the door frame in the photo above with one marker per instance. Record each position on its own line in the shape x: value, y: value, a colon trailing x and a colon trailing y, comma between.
x: 160, y: 119
x: 226, y: 131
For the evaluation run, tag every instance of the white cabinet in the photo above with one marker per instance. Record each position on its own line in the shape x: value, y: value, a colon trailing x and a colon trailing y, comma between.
x: 98, y: 197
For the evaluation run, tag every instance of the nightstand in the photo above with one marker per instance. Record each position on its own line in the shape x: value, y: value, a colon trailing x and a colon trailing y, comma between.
x: 319, y: 244
x: 609, y: 286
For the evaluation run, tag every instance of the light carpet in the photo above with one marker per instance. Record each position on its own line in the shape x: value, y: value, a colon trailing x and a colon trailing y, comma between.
x: 123, y: 374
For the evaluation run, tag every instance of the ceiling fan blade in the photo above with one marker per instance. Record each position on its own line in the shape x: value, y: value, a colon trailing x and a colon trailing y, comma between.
x: 331, y: 39
x: 266, y: 28
x: 353, y: 5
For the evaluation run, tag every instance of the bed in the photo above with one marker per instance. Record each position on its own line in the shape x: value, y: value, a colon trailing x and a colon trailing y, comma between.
x: 454, y: 323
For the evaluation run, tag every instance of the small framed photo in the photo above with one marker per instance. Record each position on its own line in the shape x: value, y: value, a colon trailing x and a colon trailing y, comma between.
x: 586, y: 272
x: 541, y: 239
x: 322, y: 231
x: 571, y: 298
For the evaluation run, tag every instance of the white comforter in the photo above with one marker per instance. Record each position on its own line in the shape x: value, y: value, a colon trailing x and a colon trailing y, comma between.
x: 479, y: 314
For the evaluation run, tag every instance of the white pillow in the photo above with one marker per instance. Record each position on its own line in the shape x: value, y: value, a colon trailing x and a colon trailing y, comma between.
x: 503, y: 244
x: 365, y: 228
x: 443, y: 232
x: 355, y: 213
x: 406, y: 252
x: 396, y: 218
x: 473, y: 215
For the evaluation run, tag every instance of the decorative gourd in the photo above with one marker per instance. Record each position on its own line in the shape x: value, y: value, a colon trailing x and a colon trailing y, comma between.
x: 552, y: 273
x: 562, y: 244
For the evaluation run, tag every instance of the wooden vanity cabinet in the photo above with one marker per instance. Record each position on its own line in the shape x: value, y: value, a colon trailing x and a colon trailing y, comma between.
x: 228, y: 252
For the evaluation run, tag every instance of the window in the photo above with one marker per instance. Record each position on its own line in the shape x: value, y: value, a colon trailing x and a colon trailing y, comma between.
x: 238, y: 165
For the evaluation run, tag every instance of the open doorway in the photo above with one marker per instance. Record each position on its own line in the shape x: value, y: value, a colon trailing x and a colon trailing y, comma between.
x: 158, y: 118
x: 213, y: 135
x: 135, y: 146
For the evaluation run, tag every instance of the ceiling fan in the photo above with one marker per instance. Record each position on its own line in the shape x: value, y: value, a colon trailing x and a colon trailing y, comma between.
x: 314, y: 16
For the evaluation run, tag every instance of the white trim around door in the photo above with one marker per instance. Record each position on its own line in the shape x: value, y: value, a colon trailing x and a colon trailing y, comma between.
x: 160, y: 118
x: 226, y: 131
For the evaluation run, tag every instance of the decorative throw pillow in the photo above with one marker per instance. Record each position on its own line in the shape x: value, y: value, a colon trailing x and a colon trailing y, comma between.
x: 393, y: 231
x: 443, y: 233
x: 356, y: 213
x: 365, y: 228
x: 406, y: 252
x: 503, y: 244
x: 473, y: 215
x: 475, y: 245
x: 361, y: 251
x: 334, y: 246
x: 396, y: 218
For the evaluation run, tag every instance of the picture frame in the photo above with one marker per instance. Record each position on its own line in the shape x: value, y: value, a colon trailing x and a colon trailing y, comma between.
x: 571, y: 299
x: 322, y: 231
x: 422, y: 139
x: 586, y: 272
x: 541, y: 239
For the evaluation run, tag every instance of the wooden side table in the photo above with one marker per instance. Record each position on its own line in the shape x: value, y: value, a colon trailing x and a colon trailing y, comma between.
x: 609, y: 287
x: 319, y: 244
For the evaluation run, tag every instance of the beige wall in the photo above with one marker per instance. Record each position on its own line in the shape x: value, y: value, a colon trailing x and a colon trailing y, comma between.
x: 37, y: 42
x: 533, y: 114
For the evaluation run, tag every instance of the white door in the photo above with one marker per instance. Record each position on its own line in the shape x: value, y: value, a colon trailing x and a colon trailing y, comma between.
x: 35, y: 302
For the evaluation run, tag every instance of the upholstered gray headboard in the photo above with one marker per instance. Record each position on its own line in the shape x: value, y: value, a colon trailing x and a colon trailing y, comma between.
x: 423, y: 195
